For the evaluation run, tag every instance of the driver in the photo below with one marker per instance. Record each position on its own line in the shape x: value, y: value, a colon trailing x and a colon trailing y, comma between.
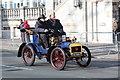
x: 55, y: 25
x: 41, y: 26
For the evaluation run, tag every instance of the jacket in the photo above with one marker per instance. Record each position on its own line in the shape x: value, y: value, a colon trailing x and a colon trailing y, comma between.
x: 56, y: 26
x: 26, y: 25
x: 21, y: 25
x: 40, y: 26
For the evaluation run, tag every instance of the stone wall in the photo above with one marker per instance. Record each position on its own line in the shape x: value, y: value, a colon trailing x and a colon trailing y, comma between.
x: 89, y: 19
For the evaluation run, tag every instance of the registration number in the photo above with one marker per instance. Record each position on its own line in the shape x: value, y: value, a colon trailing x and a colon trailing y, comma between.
x: 76, y: 54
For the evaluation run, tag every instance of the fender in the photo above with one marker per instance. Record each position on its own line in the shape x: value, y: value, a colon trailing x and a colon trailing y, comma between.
x: 36, y: 50
x: 49, y: 52
x: 65, y: 45
x: 20, y: 49
x: 22, y: 46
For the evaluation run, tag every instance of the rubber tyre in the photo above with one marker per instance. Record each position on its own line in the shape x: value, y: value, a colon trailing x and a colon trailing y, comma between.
x: 85, y: 54
x: 58, y: 59
x: 28, y: 55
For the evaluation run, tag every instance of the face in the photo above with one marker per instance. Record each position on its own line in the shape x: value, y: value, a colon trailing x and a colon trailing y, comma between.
x: 43, y: 20
x: 21, y: 21
x: 52, y: 16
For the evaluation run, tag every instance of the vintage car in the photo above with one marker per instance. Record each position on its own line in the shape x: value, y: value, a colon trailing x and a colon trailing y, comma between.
x: 61, y: 50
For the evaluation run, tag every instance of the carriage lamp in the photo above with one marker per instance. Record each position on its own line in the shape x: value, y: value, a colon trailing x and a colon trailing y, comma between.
x: 74, y: 39
x: 68, y: 39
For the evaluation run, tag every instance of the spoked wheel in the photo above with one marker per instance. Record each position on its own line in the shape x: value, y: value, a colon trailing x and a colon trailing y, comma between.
x: 28, y: 55
x: 85, y: 59
x: 58, y: 59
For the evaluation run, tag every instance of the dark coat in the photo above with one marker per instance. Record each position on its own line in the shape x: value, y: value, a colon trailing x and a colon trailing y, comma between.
x: 21, y: 25
x: 40, y: 26
x: 118, y: 28
x: 56, y: 26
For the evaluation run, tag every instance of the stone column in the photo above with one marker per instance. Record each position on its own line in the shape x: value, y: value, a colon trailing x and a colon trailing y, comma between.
x: 49, y: 7
x: 23, y: 10
x: 0, y: 19
x: 0, y: 37
x: 31, y: 3
x: 24, y: 3
x: 8, y: 4
x: 95, y: 22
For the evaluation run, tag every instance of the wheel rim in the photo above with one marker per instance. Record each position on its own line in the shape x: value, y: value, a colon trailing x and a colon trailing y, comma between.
x: 58, y: 58
x: 28, y: 55
x: 84, y: 59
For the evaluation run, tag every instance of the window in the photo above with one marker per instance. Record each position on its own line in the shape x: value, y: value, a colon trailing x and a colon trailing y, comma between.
x: 5, y: 4
x: 14, y: 5
x: 18, y: 5
x: 115, y: 10
x: 11, y: 4
x: 35, y: 4
x: 21, y: 4
x: 44, y: 3
x: 28, y: 3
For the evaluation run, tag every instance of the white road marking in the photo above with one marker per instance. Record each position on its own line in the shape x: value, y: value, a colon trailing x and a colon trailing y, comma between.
x: 16, y: 67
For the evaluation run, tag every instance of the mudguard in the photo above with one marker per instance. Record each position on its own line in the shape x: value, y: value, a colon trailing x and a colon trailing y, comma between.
x: 65, y: 45
x: 20, y: 49
x: 22, y: 46
x: 49, y: 52
x: 35, y: 48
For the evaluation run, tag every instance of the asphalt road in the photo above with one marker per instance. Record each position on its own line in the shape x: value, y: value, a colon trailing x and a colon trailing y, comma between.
x: 13, y: 67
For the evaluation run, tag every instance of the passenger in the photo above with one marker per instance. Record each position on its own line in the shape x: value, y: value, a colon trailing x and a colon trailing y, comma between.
x: 27, y: 35
x: 26, y: 25
x: 55, y: 24
x: 20, y: 27
x: 114, y: 25
x: 41, y: 26
x: 21, y: 24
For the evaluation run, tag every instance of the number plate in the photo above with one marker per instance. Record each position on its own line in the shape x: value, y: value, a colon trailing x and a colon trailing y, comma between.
x: 76, y: 54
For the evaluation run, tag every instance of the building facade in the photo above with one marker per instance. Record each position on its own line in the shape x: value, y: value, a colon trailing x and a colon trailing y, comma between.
x: 91, y: 18
x: 19, y: 3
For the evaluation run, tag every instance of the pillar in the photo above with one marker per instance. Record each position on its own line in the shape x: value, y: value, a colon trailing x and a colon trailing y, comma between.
x: 119, y: 11
x: 8, y: 4
x: 49, y: 7
x: 95, y: 23
x: 0, y: 35
x: 0, y: 19
x: 31, y: 3
x: 24, y: 3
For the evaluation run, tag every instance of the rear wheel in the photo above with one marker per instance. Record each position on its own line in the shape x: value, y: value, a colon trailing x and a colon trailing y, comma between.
x: 85, y: 59
x: 28, y: 55
x: 57, y: 58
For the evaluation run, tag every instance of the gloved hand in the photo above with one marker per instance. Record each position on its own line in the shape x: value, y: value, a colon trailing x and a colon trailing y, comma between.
x: 45, y: 30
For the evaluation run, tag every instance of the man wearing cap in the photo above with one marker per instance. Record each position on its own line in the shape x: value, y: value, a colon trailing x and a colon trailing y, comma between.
x: 41, y: 26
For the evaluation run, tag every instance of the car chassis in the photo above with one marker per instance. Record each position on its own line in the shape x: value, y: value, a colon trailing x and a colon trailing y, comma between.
x: 61, y: 50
